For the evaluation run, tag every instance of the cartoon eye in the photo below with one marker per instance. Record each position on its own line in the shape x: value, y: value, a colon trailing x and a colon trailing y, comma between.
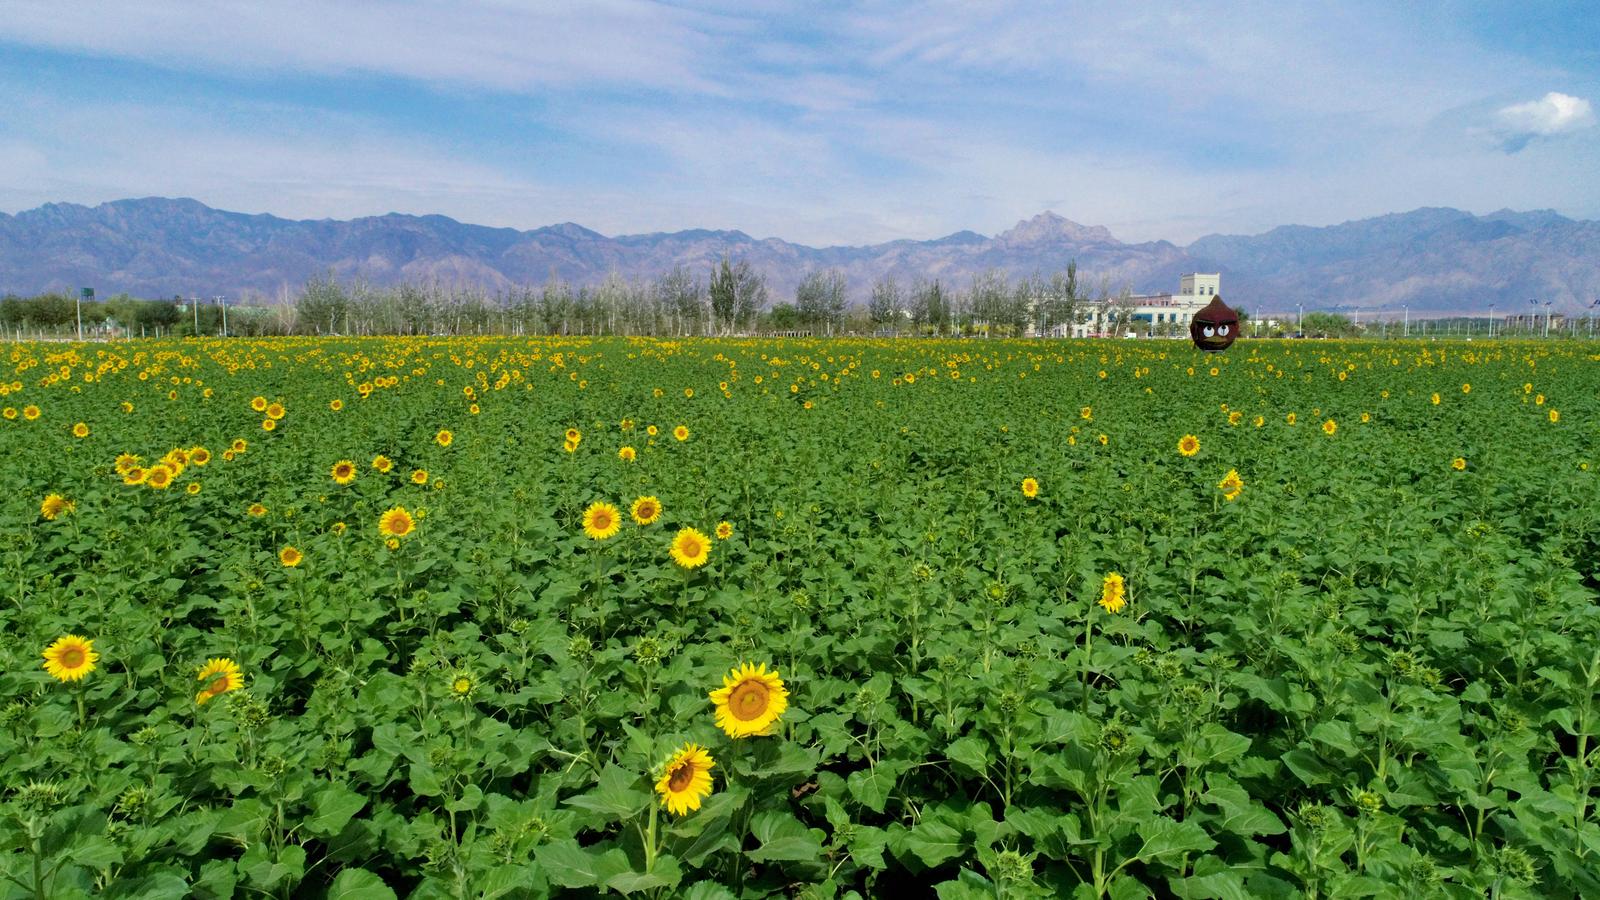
x: 1222, y: 331
x: 1208, y: 331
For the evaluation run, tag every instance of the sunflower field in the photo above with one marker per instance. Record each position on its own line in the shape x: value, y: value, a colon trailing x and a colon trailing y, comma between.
x: 367, y: 618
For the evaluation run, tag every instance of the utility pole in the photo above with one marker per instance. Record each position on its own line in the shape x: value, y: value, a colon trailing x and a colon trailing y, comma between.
x: 195, y: 302
x: 1547, y: 305
x: 1491, y: 320
x: 1406, y: 311
x: 83, y: 294
x: 223, y: 302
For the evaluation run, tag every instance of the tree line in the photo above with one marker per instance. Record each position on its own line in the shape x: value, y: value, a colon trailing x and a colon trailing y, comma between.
x: 731, y: 299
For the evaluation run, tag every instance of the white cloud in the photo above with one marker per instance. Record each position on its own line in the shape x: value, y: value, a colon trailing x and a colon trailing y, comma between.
x: 1553, y: 114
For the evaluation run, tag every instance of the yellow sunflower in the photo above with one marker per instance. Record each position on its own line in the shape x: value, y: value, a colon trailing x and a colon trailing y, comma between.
x: 192, y: 487
x: 1188, y: 445
x: 1231, y: 485
x: 724, y: 530
x: 135, y: 475
x: 276, y: 411
x: 627, y: 454
x: 419, y: 476
x: 1459, y: 464
x: 55, y: 505
x: 444, y: 437
x: 685, y: 779
x: 1113, y: 593
x: 645, y: 510
x: 690, y: 548
x: 257, y: 509
x: 199, y: 456
x: 70, y: 658
x: 397, y: 522
x: 217, y: 677
x: 1030, y: 488
x: 1329, y: 427
x: 343, y: 471
x: 750, y: 701
x: 1555, y: 416
x: 601, y: 520
x: 158, y: 476
x: 336, y: 404
x: 681, y: 432
x: 269, y: 424
x: 382, y: 463
x: 239, y: 445
x: 80, y: 430
x: 290, y: 556
x: 652, y: 430
x: 30, y: 412
x: 259, y: 404
x: 126, y: 461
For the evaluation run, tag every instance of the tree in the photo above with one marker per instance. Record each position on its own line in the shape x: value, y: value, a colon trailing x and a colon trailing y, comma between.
x: 724, y: 294
x: 749, y: 292
x: 820, y: 299
x: 886, y: 304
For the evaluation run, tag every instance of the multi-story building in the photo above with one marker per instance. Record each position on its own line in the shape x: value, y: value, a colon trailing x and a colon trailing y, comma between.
x: 1143, y: 315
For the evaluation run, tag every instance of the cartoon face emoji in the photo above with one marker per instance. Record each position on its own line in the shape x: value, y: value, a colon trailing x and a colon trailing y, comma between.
x: 1214, y: 327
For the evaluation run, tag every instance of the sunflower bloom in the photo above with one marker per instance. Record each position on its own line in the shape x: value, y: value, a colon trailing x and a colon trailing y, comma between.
x: 419, y: 476
x: 396, y: 522
x: 750, y: 701
x: 199, y: 456
x: 1231, y: 485
x: 724, y: 530
x: 1113, y: 593
x: 1555, y: 416
x: 80, y: 430
x: 1459, y: 464
x: 343, y: 471
x: 290, y: 556
x: 686, y: 779
x: 259, y: 404
x: 135, y: 475
x: 70, y: 658
x: 257, y: 509
x: 158, y: 476
x: 627, y: 454
x: 645, y: 510
x: 444, y: 437
x: 382, y: 464
x: 690, y: 548
x: 601, y: 520
x: 681, y: 432
x: 55, y: 505
x: 1329, y: 427
x: 1030, y: 488
x: 276, y: 411
x: 217, y: 677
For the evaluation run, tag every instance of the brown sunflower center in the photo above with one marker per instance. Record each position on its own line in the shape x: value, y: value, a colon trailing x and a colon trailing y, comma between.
x: 602, y: 519
x: 681, y: 777
x: 691, y: 547
x: 748, y: 700
x: 218, y: 684
x: 646, y: 510
x: 72, y: 657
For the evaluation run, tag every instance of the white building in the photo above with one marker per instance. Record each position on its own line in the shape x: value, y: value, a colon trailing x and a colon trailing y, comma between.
x: 1146, y: 314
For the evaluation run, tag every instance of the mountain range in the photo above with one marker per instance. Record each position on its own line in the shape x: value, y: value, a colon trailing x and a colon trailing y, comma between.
x: 1436, y: 260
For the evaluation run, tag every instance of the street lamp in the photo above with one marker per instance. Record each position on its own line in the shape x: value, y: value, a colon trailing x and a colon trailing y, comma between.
x: 1406, y: 310
x: 1547, y: 305
x: 1491, y: 321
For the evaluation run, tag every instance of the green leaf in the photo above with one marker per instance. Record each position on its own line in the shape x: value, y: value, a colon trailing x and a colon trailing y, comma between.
x: 1308, y: 767
x: 782, y: 837
x: 1165, y: 837
x: 616, y: 797
x: 971, y: 753
x: 334, y: 807
x: 572, y: 866
x: 665, y: 874
x: 933, y: 841
x: 359, y: 884
x: 871, y: 787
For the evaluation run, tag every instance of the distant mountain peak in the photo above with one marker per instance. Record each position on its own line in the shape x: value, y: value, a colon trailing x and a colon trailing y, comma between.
x: 1047, y: 228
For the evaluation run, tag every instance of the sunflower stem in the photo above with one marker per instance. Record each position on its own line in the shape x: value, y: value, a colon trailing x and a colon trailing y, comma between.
x: 650, y: 848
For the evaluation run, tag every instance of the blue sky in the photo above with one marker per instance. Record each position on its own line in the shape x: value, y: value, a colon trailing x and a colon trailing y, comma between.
x: 825, y: 123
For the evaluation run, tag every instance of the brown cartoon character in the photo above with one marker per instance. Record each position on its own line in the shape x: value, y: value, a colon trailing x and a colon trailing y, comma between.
x: 1214, y: 327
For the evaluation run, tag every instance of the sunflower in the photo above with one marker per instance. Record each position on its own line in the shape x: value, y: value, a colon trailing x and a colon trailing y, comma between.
x: 70, y: 658
x: 419, y: 476
x: 1434, y: 398
x: 217, y: 677
x: 1030, y: 488
x: 239, y: 445
x: 645, y: 510
x: 127, y: 407
x: 30, y: 412
x: 135, y: 475
x: 192, y: 487
x: 724, y: 530
x: 685, y: 779
x: 382, y: 463
x: 269, y: 424
x: 1113, y: 593
x: 690, y: 548
x: 55, y: 505
x: 444, y: 437
x: 1555, y: 416
x: 652, y: 430
x: 681, y: 432
x: 1086, y: 414
x: 1329, y: 427
x: 343, y: 471
x: 601, y: 520
x: 158, y: 476
x: 9, y: 412
x: 80, y: 430
x: 257, y: 509
x: 199, y: 456
x: 462, y: 685
x: 397, y: 522
x: 1235, y: 417
x: 570, y: 446
x: 1290, y: 418
x: 1459, y: 464
x: 627, y: 454
x: 750, y: 701
x: 1231, y: 485
x: 626, y: 424
x: 290, y: 556
x: 276, y: 411
x: 259, y: 404
x: 573, y: 435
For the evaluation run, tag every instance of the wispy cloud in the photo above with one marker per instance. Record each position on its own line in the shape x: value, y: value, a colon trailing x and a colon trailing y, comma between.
x: 1553, y: 114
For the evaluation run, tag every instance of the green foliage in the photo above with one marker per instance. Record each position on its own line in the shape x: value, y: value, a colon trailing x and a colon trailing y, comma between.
x: 1369, y: 673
